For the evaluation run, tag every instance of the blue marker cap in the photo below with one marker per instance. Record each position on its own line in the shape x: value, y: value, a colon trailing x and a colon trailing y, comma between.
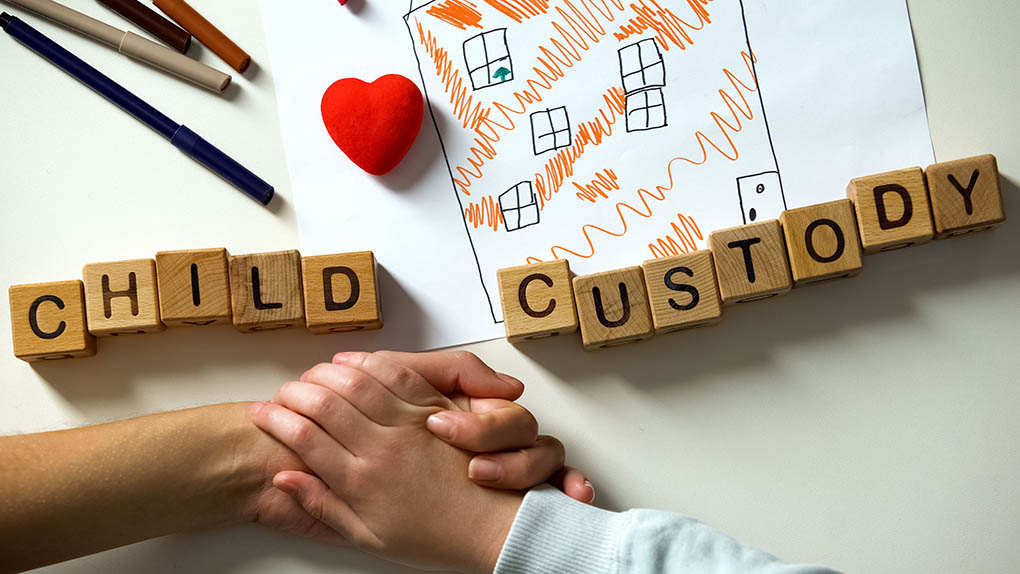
x: 220, y: 163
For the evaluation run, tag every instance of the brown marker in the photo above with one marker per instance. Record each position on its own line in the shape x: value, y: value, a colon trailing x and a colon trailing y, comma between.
x: 147, y: 19
x: 192, y: 21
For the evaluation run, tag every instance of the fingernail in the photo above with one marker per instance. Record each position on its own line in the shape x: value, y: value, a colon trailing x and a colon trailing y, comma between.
x: 485, y: 470
x: 256, y: 408
x: 589, y: 485
x: 440, y: 424
x: 339, y: 358
x: 510, y: 380
x: 287, y: 487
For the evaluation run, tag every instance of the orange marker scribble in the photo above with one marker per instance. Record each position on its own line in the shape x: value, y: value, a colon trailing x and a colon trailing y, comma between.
x: 485, y: 212
x: 525, y: 8
x: 704, y: 142
x: 599, y: 187
x: 668, y: 27
x: 465, y: 108
x: 457, y: 13
x: 668, y: 246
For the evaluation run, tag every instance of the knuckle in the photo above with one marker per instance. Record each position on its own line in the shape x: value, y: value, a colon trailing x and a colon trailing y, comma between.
x: 467, y: 357
x: 302, y: 435
x: 320, y: 403
x: 353, y: 384
x: 315, y: 373
x: 554, y: 446
x: 529, y: 423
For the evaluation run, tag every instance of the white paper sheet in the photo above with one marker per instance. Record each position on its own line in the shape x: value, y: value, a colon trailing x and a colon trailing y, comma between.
x: 603, y: 131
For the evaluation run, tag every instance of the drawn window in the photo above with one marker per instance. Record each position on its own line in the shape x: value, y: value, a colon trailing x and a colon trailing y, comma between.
x: 488, y: 59
x: 641, y: 66
x: 519, y: 206
x: 550, y: 129
x: 646, y: 111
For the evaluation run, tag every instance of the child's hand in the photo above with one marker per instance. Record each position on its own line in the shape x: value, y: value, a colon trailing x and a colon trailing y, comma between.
x: 385, y: 482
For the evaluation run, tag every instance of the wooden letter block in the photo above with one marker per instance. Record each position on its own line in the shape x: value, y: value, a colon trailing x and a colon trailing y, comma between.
x: 121, y: 298
x: 266, y: 291
x: 683, y: 291
x: 613, y: 308
x: 538, y: 300
x: 892, y: 210
x: 194, y: 287
x: 965, y: 195
x: 751, y: 262
x: 822, y: 242
x: 341, y: 292
x: 48, y: 321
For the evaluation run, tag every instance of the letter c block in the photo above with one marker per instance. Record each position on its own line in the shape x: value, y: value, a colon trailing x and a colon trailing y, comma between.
x: 538, y: 300
x: 892, y: 210
x: 341, y: 292
x: 48, y: 321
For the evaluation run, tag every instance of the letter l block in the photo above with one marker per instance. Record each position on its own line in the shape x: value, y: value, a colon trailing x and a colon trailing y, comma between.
x: 341, y: 292
x: 265, y: 291
x: 538, y: 300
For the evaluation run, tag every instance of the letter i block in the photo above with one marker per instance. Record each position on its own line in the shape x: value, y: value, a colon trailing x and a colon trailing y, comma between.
x: 48, y: 321
x: 266, y: 291
x: 613, y: 308
x: 194, y: 287
x: 341, y: 292
x: 965, y: 195
x: 892, y: 210
x: 683, y: 291
x: 538, y: 300
x: 751, y: 262
x: 822, y: 242
x: 121, y: 298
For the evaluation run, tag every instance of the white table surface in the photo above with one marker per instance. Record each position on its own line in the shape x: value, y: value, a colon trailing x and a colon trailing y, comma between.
x: 871, y: 424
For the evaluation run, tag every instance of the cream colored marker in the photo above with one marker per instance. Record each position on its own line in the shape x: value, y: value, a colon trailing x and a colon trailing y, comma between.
x: 130, y: 44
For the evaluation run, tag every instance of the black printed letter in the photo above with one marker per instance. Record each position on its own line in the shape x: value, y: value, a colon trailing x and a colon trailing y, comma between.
x: 908, y: 206
x: 327, y: 288
x: 689, y: 289
x: 256, y: 292
x: 600, y: 311
x: 809, y: 240
x: 33, y: 319
x: 965, y: 192
x: 131, y: 292
x: 522, y: 295
x: 745, y: 246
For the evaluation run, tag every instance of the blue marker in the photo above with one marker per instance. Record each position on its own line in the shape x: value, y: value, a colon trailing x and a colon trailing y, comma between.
x: 183, y: 138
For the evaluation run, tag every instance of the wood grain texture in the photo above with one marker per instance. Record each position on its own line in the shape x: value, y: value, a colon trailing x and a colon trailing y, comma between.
x: 612, y: 307
x: 682, y: 291
x: 48, y: 321
x: 822, y: 242
x: 266, y: 291
x: 965, y: 195
x: 538, y: 300
x: 751, y: 262
x: 341, y: 292
x: 892, y: 210
x: 121, y: 298
x: 194, y: 287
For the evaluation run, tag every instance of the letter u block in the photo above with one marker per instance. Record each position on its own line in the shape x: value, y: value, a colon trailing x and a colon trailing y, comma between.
x: 194, y: 287
x: 341, y: 292
x: 751, y: 262
x: 683, y: 291
x: 48, y: 321
x: 892, y: 210
x: 266, y: 291
x: 121, y: 298
x: 538, y: 300
x: 822, y: 242
x: 965, y: 195
x: 613, y: 308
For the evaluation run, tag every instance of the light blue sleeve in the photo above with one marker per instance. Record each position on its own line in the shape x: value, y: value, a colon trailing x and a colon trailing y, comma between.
x: 554, y: 533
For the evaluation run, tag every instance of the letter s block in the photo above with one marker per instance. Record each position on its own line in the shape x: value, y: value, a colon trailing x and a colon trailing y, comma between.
x: 822, y: 242
x: 266, y: 291
x: 751, y: 262
x: 683, y: 291
x: 613, y: 308
x: 892, y: 210
x: 48, y: 321
x: 194, y: 287
x: 341, y: 292
x: 538, y: 300
x: 965, y: 195
x: 121, y: 298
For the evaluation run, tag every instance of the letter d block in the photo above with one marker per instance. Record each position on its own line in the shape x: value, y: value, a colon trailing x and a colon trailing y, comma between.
x: 341, y: 292
x: 121, y: 298
x: 683, y: 291
x: 613, y: 308
x: 194, y: 287
x: 751, y: 262
x: 822, y: 242
x: 892, y: 210
x: 538, y: 300
x: 266, y: 291
x: 965, y: 195
x: 48, y: 321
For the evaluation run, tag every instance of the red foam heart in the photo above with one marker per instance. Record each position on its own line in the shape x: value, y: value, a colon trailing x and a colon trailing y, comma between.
x: 373, y: 124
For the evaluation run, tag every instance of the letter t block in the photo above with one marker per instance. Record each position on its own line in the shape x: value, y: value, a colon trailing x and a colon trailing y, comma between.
x: 265, y: 291
x: 341, y: 292
x: 538, y: 300
x: 121, y: 298
x: 751, y: 262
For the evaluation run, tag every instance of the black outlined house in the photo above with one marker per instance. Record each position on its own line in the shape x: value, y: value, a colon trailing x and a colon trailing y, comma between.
x: 550, y: 130
x: 643, y: 74
x: 519, y: 206
x: 487, y: 58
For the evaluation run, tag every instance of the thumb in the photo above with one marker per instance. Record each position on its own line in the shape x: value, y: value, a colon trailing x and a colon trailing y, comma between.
x: 324, y: 505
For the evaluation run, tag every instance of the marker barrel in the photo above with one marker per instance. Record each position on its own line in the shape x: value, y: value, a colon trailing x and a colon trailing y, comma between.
x: 223, y: 165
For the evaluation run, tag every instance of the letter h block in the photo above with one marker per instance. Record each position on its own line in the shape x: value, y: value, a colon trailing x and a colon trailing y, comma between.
x: 538, y: 300
x: 194, y: 287
x: 121, y: 298
x: 751, y: 262
x: 265, y: 291
x: 48, y: 321
x: 341, y: 292
x: 613, y: 308
x: 892, y: 210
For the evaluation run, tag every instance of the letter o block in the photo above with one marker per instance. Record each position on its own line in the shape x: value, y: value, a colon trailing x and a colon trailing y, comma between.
x: 751, y: 262
x: 965, y: 195
x: 48, y: 321
x: 613, y: 308
x: 538, y: 300
x: 266, y: 291
x: 682, y: 291
x: 341, y: 292
x: 892, y: 209
x: 822, y: 242
x: 121, y: 298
